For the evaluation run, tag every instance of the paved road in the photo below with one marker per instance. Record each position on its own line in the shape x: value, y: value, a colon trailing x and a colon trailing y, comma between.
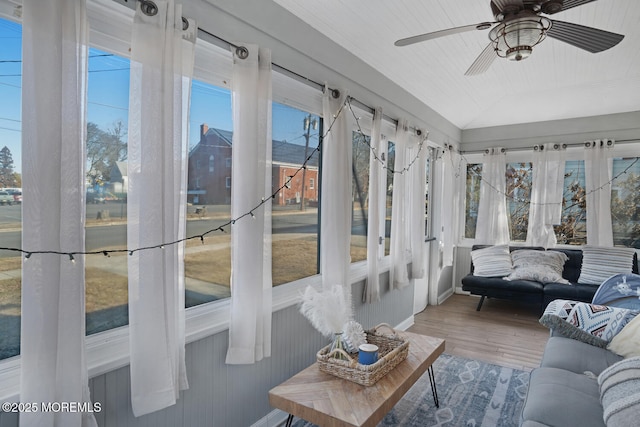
x: 114, y: 235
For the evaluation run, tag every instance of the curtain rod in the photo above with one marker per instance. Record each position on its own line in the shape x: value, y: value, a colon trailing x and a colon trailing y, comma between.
x: 575, y: 144
x: 222, y: 43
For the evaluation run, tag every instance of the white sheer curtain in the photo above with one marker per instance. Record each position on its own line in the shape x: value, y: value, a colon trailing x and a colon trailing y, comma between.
x: 162, y: 56
x: 598, y: 165
x: 450, y: 208
x: 545, y: 209
x: 493, y: 225
x: 335, y: 216
x: 398, y: 273
x: 251, y: 287
x: 377, y: 182
x: 53, y: 367
x: 418, y: 153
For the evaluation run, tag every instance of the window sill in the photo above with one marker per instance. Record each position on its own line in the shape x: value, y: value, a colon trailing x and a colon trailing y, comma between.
x: 109, y: 350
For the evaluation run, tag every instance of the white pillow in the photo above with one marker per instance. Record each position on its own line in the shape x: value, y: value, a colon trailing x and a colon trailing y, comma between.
x: 599, y: 263
x: 494, y: 261
x: 539, y: 266
x: 627, y: 342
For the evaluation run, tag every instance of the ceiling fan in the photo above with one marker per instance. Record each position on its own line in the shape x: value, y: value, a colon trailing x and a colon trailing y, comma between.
x: 520, y: 25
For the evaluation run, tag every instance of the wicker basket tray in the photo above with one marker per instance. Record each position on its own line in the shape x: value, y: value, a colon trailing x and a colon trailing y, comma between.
x: 392, y: 349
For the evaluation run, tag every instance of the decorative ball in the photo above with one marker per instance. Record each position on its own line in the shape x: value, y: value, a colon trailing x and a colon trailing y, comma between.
x: 353, y: 336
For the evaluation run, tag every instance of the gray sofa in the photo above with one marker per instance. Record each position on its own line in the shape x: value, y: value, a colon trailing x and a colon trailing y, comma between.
x: 560, y: 393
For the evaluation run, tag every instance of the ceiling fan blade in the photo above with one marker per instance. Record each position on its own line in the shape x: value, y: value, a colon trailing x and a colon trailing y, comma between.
x: 482, y: 62
x: 568, y: 4
x: 504, y: 4
x: 588, y: 38
x: 429, y: 36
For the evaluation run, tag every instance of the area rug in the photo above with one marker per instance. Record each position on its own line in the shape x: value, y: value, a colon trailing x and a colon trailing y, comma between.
x: 471, y: 394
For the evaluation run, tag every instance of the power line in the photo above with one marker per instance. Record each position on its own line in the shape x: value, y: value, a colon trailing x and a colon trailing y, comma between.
x: 15, y: 61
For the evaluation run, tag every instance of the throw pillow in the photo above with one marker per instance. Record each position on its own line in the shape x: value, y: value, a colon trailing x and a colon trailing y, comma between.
x: 494, y: 261
x: 539, y: 266
x: 627, y: 342
x: 590, y: 323
x: 600, y: 263
x: 620, y: 393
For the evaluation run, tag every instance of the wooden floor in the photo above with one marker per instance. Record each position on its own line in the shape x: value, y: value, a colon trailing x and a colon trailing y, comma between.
x: 503, y: 332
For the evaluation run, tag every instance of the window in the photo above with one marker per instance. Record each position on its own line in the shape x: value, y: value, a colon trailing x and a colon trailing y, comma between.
x: 295, y: 218
x: 208, y: 266
x: 107, y: 119
x: 10, y: 177
x: 388, y: 170
x: 518, y: 178
x: 427, y: 190
x: 573, y: 228
x: 474, y: 177
x: 625, y: 202
x: 518, y: 187
x: 360, y: 195
x: 227, y: 162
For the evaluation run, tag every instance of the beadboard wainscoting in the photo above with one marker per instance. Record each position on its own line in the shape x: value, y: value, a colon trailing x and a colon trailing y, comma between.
x: 236, y: 395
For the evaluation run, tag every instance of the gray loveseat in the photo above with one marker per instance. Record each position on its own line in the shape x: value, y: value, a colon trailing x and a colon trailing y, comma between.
x: 590, y: 369
x: 560, y: 393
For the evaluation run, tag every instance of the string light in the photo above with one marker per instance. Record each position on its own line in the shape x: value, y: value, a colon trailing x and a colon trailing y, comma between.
x: 517, y: 200
x: 381, y: 159
x: 221, y: 228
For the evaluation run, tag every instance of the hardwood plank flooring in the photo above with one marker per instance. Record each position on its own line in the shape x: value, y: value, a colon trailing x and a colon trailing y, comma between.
x: 504, y: 332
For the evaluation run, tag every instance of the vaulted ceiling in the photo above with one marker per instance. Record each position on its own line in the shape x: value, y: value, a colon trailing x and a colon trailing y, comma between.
x: 558, y: 81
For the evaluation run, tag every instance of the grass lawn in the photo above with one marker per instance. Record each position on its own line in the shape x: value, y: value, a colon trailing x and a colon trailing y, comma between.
x: 107, y: 292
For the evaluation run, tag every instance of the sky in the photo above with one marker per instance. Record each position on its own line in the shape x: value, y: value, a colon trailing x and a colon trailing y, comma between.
x: 108, y: 98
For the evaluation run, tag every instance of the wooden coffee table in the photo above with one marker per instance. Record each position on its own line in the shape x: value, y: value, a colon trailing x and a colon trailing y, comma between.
x: 330, y: 401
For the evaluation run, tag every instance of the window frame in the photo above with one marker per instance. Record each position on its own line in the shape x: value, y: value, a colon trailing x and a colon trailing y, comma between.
x: 106, y: 351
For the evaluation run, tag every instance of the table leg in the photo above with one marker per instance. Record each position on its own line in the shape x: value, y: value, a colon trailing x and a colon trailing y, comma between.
x: 432, y: 380
x: 289, y: 421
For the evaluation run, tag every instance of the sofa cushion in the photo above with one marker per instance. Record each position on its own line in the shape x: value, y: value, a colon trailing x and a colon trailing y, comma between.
x: 573, y: 265
x: 599, y: 263
x: 539, y: 266
x: 573, y: 292
x: 498, y: 283
x: 576, y: 356
x: 620, y: 393
x: 593, y: 324
x: 557, y: 397
x: 627, y: 342
x: 493, y: 261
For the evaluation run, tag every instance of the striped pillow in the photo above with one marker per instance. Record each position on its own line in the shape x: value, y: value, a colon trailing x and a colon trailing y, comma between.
x: 494, y: 261
x: 599, y: 263
x: 620, y: 393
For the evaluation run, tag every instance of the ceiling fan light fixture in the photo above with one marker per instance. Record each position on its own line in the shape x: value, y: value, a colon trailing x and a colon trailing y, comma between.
x: 515, y: 39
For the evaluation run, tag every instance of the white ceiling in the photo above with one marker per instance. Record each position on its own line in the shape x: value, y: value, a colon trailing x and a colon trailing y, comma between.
x: 558, y: 81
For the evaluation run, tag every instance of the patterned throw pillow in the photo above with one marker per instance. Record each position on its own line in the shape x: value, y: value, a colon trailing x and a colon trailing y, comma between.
x: 600, y: 263
x: 620, y: 393
x: 539, y: 266
x: 494, y: 261
x: 590, y: 323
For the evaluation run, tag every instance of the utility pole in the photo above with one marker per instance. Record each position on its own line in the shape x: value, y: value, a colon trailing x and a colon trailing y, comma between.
x: 307, y: 124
